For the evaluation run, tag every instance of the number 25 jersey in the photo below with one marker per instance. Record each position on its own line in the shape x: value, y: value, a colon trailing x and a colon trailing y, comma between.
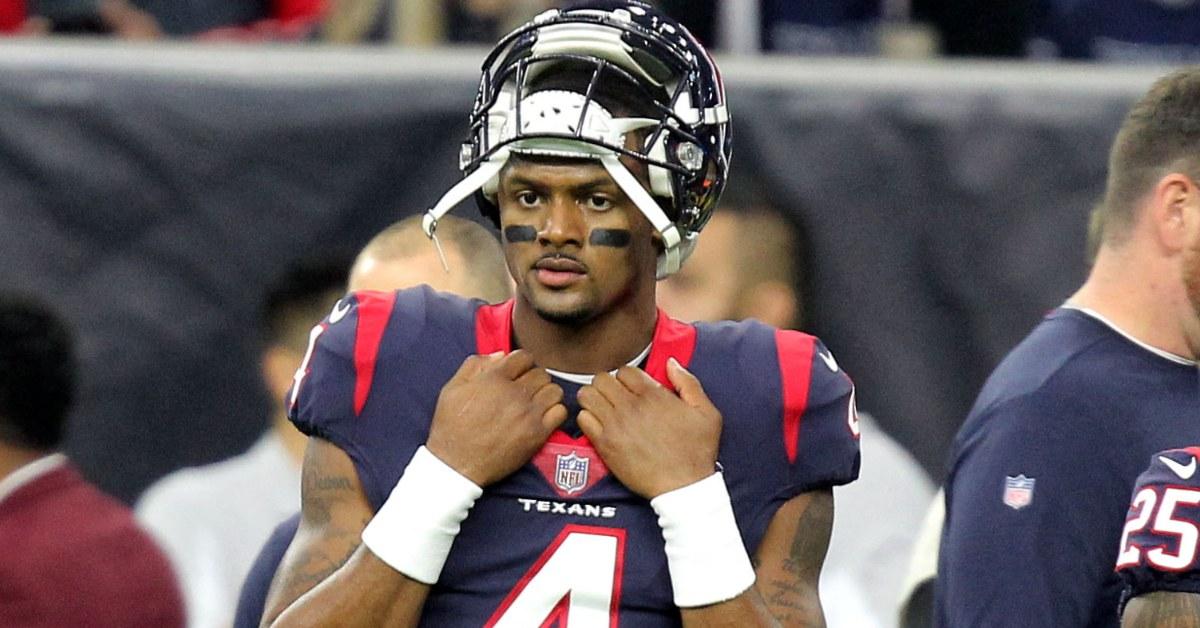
x: 561, y: 541
x: 1159, y: 543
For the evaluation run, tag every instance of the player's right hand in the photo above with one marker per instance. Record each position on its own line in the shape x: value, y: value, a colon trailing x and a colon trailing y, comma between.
x: 494, y: 415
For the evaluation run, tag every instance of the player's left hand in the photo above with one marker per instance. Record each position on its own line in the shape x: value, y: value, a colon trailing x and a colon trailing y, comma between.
x: 653, y: 440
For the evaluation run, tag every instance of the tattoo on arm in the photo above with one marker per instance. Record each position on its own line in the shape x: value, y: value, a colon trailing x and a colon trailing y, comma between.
x: 791, y: 592
x: 322, y: 489
x: 327, y: 537
x: 812, y: 538
x: 1163, y: 609
x: 315, y: 563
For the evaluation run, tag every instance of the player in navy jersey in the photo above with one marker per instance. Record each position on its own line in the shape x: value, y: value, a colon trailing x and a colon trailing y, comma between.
x: 1158, y: 559
x: 571, y: 457
x: 1041, y: 471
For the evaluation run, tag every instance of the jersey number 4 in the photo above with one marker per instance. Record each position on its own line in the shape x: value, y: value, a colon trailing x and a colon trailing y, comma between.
x: 1148, y: 506
x: 575, y: 583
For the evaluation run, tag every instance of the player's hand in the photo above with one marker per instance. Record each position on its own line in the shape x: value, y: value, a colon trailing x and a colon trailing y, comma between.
x: 493, y: 415
x: 653, y: 440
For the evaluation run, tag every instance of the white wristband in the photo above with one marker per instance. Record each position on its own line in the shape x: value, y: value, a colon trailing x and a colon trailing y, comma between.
x: 416, y: 526
x: 705, y: 555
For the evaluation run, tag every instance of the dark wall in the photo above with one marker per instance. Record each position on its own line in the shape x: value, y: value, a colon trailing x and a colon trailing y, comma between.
x: 151, y: 193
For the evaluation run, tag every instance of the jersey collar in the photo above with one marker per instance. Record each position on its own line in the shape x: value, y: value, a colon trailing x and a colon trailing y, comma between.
x: 29, y: 472
x: 672, y: 339
x: 1166, y: 355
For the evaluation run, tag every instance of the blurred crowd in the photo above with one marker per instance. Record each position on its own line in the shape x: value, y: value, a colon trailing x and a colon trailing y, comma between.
x: 1101, y: 30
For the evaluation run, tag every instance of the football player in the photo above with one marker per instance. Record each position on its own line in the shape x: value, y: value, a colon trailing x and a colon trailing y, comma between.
x: 1030, y: 519
x: 1158, y: 560
x: 572, y: 456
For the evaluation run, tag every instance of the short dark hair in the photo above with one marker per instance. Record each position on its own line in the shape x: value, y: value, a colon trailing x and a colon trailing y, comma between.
x: 37, y: 373
x: 1161, y: 134
x: 301, y: 296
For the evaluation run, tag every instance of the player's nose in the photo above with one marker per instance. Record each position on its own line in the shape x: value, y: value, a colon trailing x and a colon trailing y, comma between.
x: 563, y: 223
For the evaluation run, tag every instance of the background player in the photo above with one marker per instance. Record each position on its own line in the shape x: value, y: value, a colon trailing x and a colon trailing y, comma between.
x: 400, y: 257
x: 620, y: 459
x: 1041, y: 471
x: 1157, y: 559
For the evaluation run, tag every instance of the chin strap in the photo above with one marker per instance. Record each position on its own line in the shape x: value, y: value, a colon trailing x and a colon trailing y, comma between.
x: 463, y: 189
x: 455, y: 195
x: 672, y: 256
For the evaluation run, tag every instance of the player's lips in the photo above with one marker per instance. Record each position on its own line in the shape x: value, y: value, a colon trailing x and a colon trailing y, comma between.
x: 558, y: 271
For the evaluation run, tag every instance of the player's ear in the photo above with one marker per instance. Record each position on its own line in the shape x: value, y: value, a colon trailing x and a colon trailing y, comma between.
x: 1175, y: 203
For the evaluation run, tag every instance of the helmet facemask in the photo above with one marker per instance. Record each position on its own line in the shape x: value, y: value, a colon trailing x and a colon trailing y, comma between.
x: 649, y: 84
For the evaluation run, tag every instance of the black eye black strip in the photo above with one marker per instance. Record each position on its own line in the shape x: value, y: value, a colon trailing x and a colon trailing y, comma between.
x: 520, y: 233
x: 616, y: 238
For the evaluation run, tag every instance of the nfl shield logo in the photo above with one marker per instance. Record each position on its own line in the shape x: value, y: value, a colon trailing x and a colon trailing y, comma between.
x: 570, y: 472
x: 1018, y: 491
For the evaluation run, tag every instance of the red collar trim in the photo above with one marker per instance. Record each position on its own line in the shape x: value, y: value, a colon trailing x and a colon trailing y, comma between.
x: 672, y: 339
x: 493, y: 328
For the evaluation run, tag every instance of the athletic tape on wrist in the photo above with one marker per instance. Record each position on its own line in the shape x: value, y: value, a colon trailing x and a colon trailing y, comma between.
x: 705, y: 555
x: 416, y: 526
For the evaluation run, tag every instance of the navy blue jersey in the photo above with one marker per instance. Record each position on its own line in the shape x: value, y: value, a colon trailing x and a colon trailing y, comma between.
x: 561, y: 535
x: 1158, y: 549
x: 1041, y: 471
x: 252, y: 600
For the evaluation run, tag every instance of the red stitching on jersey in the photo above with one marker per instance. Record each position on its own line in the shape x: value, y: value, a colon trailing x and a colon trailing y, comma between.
x: 795, y: 352
x: 493, y: 328
x: 672, y: 339
x: 374, y: 310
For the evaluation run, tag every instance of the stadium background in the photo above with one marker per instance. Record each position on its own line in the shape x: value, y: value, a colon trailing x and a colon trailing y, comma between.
x: 152, y: 191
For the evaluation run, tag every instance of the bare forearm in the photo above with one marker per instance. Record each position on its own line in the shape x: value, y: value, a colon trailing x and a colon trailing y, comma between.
x: 795, y: 607
x: 747, y: 609
x: 364, y: 592
x: 789, y: 561
x: 1164, y: 609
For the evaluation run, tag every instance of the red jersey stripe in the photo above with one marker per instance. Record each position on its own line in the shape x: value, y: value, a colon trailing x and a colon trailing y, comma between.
x: 493, y: 328
x: 795, y: 352
x: 374, y: 310
x: 672, y: 339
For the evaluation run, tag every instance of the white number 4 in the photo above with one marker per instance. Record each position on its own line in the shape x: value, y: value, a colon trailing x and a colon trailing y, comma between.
x: 576, y: 582
x: 1165, y: 523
